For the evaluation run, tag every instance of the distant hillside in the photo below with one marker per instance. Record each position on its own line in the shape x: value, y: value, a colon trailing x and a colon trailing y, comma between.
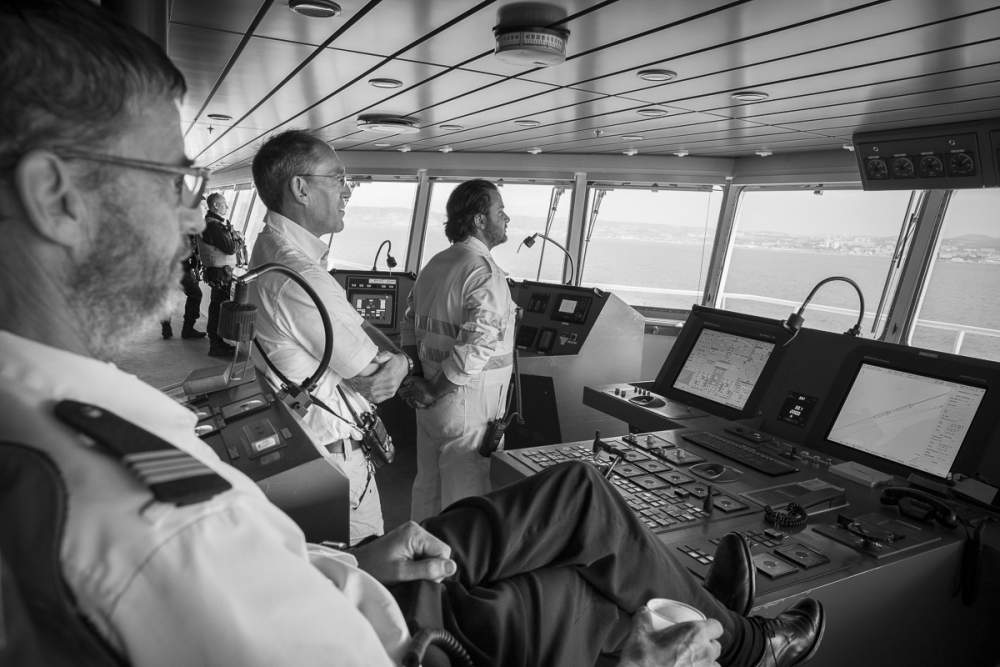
x: 974, y: 241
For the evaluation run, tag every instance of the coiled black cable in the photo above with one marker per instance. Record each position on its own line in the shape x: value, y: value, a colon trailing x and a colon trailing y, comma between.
x: 422, y: 641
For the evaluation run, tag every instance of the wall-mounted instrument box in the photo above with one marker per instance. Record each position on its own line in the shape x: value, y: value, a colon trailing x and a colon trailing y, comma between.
x: 958, y: 155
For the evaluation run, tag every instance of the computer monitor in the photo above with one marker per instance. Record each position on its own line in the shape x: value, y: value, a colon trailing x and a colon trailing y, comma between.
x: 376, y: 306
x: 908, y: 418
x: 720, y: 361
x: 724, y: 367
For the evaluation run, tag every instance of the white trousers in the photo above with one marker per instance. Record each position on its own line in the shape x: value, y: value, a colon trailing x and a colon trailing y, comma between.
x: 449, y: 466
x: 366, y: 505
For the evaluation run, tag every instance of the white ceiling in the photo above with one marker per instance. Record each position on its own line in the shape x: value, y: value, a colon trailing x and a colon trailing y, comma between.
x: 831, y: 68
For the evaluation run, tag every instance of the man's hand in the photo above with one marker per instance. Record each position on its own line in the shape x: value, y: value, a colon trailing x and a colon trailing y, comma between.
x: 416, y: 391
x: 406, y: 553
x: 691, y: 644
x: 383, y: 383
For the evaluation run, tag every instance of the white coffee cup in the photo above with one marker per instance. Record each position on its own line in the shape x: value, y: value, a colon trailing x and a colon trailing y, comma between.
x: 664, y: 613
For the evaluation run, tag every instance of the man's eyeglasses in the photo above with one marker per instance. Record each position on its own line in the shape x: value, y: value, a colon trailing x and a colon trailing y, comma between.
x: 190, y: 183
x: 342, y: 179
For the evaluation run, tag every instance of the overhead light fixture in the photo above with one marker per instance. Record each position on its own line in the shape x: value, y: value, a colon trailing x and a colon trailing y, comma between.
x: 763, y: 153
x: 315, y: 9
x: 452, y: 126
x: 382, y: 144
x: 534, y: 150
x: 656, y: 74
x: 745, y: 96
x: 630, y: 151
x: 527, y: 122
x: 652, y: 112
x: 682, y: 153
x: 383, y: 123
x: 848, y: 147
x: 404, y: 149
x: 220, y: 116
x: 385, y: 82
x: 446, y: 149
x: 632, y: 137
x: 524, y: 36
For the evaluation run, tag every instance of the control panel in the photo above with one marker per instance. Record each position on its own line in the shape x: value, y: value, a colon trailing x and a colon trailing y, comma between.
x: 555, y: 319
x: 962, y: 155
x: 378, y: 296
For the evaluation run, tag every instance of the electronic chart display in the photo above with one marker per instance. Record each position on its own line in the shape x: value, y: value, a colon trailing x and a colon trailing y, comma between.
x: 723, y: 367
x: 914, y: 420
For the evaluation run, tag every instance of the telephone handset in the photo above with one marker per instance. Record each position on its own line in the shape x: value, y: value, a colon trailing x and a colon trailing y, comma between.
x: 796, y: 512
x: 919, y: 505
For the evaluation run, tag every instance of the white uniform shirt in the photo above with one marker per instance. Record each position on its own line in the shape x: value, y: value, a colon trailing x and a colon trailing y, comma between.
x: 291, y: 331
x: 460, y: 314
x: 228, y: 581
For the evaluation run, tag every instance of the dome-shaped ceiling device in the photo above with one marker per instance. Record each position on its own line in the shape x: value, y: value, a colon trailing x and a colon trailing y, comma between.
x: 526, y: 34
x: 388, y: 124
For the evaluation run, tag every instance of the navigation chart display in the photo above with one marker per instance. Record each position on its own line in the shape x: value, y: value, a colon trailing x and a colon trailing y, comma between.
x: 723, y: 367
x: 911, y: 419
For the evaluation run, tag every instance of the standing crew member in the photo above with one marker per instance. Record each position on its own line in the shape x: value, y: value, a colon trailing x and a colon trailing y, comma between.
x: 460, y: 320
x: 220, y: 243
x: 304, y: 185
x: 190, y: 280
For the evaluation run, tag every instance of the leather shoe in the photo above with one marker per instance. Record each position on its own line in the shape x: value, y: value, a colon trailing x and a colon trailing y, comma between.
x: 192, y: 333
x: 792, y: 637
x: 731, y: 577
x: 166, y: 330
x: 221, y: 350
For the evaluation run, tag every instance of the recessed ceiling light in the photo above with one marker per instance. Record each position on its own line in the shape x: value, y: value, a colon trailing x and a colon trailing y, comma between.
x: 630, y: 151
x: 656, y: 74
x: 527, y: 122
x: 763, y: 153
x: 404, y: 149
x: 220, y: 116
x: 452, y: 126
x: 848, y: 147
x: 383, y: 123
x: 446, y: 149
x: 382, y: 144
x: 534, y: 150
x: 682, y: 153
x: 652, y: 112
x: 749, y: 96
x: 631, y: 137
x: 316, y: 9
x: 385, y: 82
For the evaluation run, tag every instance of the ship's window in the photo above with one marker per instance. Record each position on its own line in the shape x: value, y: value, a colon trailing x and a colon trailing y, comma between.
x: 255, y: 222
x: 787, y: 241
x: 528, y: 206
x: 650, y: 246
x: 239, y: 209
x: 960, y: 311
x: 377, y: 211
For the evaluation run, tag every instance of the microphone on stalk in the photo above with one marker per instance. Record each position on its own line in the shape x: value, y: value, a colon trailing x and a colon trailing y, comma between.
x: 530, y: 241
x: 390, y: 261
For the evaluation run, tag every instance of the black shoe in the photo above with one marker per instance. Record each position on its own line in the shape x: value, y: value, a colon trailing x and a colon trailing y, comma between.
x: 191, y: 332
x: 166, y: 330
x: 221, y: 349
x: 731, y: 577
x: 792, y: 637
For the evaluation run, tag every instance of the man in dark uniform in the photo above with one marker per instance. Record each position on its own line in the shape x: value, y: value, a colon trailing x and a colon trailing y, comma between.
x: 219, y: 247
x: 192, y: 304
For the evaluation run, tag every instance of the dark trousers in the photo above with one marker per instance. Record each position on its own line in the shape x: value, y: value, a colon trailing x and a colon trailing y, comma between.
x: 550, y: 571
x: 192, y: 305
x: 220, y: 280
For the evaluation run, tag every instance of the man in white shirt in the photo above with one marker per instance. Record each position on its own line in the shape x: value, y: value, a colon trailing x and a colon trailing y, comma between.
x: 460, y: 325
x: 304, y: 186
x: 94, y: 172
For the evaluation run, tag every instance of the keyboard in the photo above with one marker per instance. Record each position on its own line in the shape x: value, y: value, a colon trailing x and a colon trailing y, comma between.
x: 661, y: 496
x: 740, y: 452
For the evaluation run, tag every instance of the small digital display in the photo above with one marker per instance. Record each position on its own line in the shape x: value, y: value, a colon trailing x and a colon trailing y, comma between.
x: 571, y: 309
x: 723, y: 367
x: 376, y: 307
x: 913, y: 420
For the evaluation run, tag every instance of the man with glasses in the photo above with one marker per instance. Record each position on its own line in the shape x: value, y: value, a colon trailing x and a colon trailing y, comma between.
x: 219, y: 247
x: 303, y: 183
x: 158, y: 552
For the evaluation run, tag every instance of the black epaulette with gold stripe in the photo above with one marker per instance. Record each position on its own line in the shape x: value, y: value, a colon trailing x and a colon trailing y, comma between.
x: 173, y: 476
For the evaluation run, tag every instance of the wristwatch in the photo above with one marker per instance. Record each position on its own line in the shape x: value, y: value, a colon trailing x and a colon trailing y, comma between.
x: 409, y: 363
